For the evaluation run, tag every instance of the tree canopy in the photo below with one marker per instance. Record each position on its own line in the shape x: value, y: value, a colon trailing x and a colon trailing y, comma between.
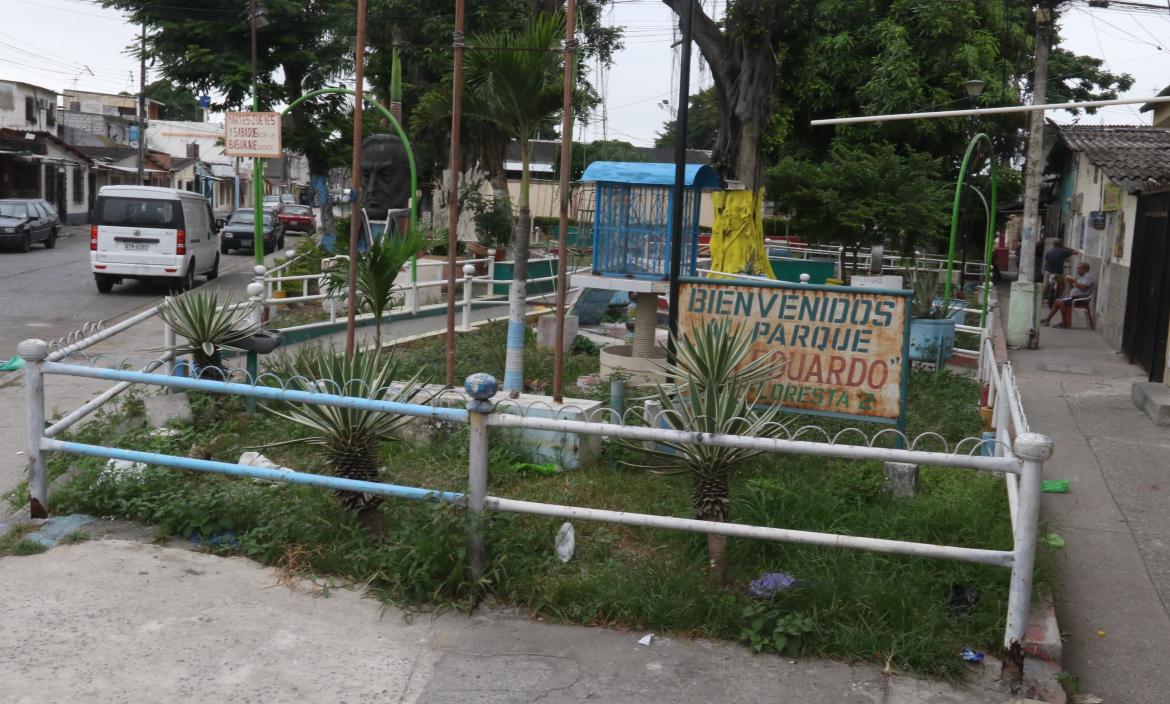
x: 178, y: 103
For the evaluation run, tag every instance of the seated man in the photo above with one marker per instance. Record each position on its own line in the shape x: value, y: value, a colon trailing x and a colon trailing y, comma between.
x: 1082, y: 288
x: 1054, y: 270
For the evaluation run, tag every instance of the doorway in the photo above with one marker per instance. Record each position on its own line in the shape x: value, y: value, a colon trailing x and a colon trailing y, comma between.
x: 1147, y: 313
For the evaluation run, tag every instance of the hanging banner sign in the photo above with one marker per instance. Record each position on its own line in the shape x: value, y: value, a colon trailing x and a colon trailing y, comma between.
x: 252, y: 134
x: 845, y: 349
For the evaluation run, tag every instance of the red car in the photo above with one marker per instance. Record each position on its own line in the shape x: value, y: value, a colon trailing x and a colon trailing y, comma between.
x: 297, y: 218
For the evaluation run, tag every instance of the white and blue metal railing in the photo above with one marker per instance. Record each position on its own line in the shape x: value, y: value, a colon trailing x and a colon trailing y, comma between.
x: 1018, y: 454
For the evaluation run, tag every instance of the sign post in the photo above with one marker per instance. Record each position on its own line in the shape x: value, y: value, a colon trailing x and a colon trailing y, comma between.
x: 255, y: 135
x: 846, y: 350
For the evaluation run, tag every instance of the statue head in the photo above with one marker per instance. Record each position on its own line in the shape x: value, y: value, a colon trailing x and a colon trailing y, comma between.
x: 385, y: 175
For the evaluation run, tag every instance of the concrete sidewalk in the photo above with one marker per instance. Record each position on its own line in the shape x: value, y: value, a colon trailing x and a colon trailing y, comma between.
x: 119, y: 621
x: 1114, y: 572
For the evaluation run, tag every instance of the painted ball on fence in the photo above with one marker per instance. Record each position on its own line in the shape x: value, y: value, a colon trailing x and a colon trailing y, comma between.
x: 481, y: 386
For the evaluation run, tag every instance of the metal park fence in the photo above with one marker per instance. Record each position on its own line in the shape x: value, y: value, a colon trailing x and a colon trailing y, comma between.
x: 1013, y: 451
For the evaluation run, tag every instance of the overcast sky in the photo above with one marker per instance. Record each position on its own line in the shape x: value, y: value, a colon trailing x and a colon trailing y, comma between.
x: 59, y: 44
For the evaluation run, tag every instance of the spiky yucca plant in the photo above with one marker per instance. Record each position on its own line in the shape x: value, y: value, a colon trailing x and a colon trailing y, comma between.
x: 714, y: 389
x: 350, y: 436
x: 209, y: 327
x: 377, y: 270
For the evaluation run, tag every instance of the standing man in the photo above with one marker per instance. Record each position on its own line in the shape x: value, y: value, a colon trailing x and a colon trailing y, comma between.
x: 1054, y: 261
x: 1082, y: 288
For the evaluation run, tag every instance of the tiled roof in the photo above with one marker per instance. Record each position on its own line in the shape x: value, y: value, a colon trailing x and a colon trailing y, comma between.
x: 1133, y: 157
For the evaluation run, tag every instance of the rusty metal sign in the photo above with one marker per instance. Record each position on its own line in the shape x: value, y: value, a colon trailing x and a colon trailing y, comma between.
x: 845, y: 349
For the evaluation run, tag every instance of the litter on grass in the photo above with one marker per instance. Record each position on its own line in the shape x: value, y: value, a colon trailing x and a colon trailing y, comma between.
x: 770, y: 584
x: 566, y: 542
x: 1053, y: 540
x: 1055, y: 486
x: 971, y: 655
x: 546, y: 470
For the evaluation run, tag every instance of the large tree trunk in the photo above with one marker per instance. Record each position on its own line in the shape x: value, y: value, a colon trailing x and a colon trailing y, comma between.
x: 518, y: 291
x: 743, y: 66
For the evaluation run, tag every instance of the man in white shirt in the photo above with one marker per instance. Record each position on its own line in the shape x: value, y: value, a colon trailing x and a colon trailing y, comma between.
x: 1082, y: 288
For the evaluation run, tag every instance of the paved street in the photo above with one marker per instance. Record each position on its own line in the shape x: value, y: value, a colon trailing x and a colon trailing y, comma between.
x: 48, y: 293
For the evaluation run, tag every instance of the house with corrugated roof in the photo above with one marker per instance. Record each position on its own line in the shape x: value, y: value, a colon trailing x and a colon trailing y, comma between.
x: 1107, y: 200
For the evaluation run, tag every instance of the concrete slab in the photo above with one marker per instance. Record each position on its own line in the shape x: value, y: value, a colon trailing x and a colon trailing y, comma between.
x: 113, y: 621
x: 1153, y: 399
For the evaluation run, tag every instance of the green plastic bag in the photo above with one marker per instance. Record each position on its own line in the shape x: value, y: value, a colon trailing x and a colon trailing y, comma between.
x: 1053, y: 540
x: 12, y: 364
x: 547, y: 469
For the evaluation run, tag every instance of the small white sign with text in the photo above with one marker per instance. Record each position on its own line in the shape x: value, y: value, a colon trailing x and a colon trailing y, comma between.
x: 252, y: 134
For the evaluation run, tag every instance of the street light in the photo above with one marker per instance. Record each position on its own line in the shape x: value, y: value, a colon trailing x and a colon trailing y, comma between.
x: 974, y: 88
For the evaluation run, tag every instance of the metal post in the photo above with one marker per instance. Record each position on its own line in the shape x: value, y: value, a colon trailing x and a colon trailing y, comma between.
x: 1032, y: 449
x: 566, y: 162
x: 33, y: 352
x: 142, y: 108
x: 680, y: 168
x: 468, y: 280
x: 481, y: 388
x: 255, y: 291
x: 356, y: 224
x: 169, y: 345
x: 453, y: 195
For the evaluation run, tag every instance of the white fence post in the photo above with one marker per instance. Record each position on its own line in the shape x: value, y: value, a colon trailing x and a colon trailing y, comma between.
x: 33, y: 352
x: 1032, y: 449
x: 480, y: 388
x: 468, y: 280
x: 169, y: 345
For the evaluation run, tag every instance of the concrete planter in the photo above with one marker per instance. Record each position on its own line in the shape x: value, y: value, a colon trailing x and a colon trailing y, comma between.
x: 932, y: 340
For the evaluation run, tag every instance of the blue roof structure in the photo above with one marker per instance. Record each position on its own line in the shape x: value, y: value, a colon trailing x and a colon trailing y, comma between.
x: 645, y: 174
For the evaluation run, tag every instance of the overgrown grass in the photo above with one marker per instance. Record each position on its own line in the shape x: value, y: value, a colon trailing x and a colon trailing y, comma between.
x: 15, y: 543
x: 862, y: 606
x: 484, y: 352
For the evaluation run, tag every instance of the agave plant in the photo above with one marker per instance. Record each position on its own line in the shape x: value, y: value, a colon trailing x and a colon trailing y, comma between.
x: 209, y: 327
x: 377, y: 270
x: 714, y: 390
x: 924, y: 287
x: 350, y: 436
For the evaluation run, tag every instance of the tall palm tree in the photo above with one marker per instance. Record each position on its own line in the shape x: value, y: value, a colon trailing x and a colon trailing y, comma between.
x: 517, y: 84
x: 350, y: 436
x: 716, y: 385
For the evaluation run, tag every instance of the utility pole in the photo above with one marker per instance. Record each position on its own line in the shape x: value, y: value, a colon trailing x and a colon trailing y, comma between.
x: 566, y: 167
x: 355, y: 211
x: 680, y: 168
x: 453, y: 195
x: 142, y: 107
x: 1022, y: 315
x: 257, y: 164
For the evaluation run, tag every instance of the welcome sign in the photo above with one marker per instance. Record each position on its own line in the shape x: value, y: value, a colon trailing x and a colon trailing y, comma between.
x: 845, y: 349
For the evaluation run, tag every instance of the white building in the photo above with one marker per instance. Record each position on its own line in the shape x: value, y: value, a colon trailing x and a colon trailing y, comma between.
x: 24, y: 106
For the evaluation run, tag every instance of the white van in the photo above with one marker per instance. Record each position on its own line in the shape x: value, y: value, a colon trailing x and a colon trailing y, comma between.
x: 143, y: 232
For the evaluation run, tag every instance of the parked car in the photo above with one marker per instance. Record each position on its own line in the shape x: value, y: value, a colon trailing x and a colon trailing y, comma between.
x: 143, y: 232
x: 240, y: 233
x: 297, y: 218
x: 27, y: 220
x: 287, y: 199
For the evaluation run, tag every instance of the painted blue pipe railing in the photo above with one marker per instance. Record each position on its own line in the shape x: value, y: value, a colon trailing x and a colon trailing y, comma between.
x: 455, y: 415
x: 239, y: 470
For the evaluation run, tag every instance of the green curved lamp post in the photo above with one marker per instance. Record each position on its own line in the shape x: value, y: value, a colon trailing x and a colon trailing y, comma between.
x: 971, y: 146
